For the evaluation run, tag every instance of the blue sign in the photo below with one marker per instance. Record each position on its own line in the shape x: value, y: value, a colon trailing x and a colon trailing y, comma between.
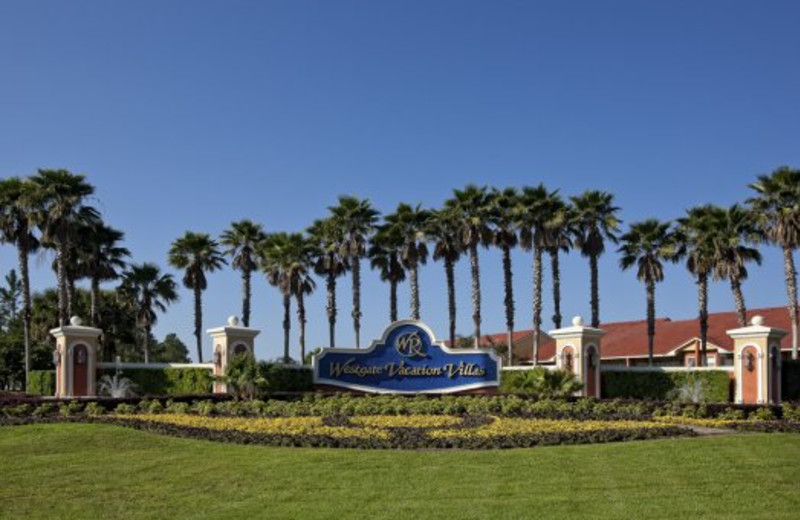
x: 407, y: 360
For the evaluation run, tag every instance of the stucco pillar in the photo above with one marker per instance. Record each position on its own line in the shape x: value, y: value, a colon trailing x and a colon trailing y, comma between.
x: 75, y: 358
x: 578, y: 352
x: 229, y: 341
x: 757, y: 362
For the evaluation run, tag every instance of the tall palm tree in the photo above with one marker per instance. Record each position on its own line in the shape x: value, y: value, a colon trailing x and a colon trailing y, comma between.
x: 536, y: 211
x: 286, y: 259
x: 443, y: 229
x: 558, y: 239
x: 409, y: 224
x: 243, y: 239
x: 647, y: 245
x: 147, y: 290
x: 101, y: 259
x: 326, y: 237
x: 356, y: 220
x: 696, y: 231
x: 196, y: 253
x: 471, y: 208
x: 734, y: 228
x: 503, y: 216
x: 18, y: 201
x: 776, y: 205
x: 60, y: 208
x: 384, y: 255
x: 595, y: 221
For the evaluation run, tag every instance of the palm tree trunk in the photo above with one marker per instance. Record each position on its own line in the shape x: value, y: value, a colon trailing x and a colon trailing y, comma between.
x: 451, y: 299
x: 651, y: 319
x: 595, y: 291
x: 198, y: 321
x: 476, y: 292
x: 508, y: 287
x: 791, y: 290
x: 537, y: 301
x: 95, y: 297
x: 393, y: 300
x: 356, y: 266
x: 414, y: 281
x: 301, y: 318
x: 145, y: 343
x: 246, y: 300
x: 738, y: 298
x: 287, y: 324
x: 71, y: 295
x: 61, y: 275
x: 554, y: 266
x: 26, y: 302
x: 330, y: 284
x: 702, y: 301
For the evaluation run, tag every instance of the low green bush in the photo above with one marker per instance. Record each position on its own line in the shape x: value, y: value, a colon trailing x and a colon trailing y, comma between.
x: 94, y: 409
x: 659, y: 386
x: 539, y: 382
x: 42, y: 382
x: 282, y: 378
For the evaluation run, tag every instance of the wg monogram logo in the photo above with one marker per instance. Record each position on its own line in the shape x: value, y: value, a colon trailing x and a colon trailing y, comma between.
x: 410, y: 345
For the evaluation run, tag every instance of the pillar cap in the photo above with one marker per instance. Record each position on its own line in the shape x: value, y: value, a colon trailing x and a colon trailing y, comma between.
x: 756, y: 329
x: 75, y: 328
x: 577, y: 329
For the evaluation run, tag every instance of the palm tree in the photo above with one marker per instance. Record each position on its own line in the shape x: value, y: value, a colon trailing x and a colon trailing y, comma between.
x: 595, y: 222
x: 536, y: 210
x: 59, y: 209
x: 503, y: 216
x: 328, y: 262
x: 355, y: 219
x: 779, y: 214
x: 734, y: 227
x: 384, y: 255
x: 147, y: 290
x: 471, y: 209
x: 286, y: 259
x: 558, y: 239
x: 647, y: 245
x: 409, y: 224
x: 243, y: 239
x: 696, y: 231
x: 17, y: 205
x: 100, y: 259
x: 197, y: 253
x: 443, y: 229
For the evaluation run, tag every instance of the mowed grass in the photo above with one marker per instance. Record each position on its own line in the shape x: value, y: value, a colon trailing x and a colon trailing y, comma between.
x: 104, y: 471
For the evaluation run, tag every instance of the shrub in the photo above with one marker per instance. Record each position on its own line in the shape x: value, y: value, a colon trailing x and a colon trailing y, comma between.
x: 286, y: 378
x: 763, y: 413
x: 70, y: 409
x: 20, y: 410
x: 243, y: 377
x: 125, y: 409
x: 42, y: 382
x: 44, y: 409
x: 168, y: 381
x: 790, y: 413
x: 173, y: 407
x: 94, y: 409
x: 540, y: 382
x: 658, y: 385
x: 731, y: 414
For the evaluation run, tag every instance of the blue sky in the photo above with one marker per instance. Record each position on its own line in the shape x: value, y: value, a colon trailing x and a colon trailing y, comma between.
x: 189, y: 115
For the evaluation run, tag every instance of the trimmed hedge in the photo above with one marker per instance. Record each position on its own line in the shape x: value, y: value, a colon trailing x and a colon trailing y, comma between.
x: 166, y: 381
x: 790, y: 375
x: 42, y: 382
x: 281, y: 378
x: 658, y: 385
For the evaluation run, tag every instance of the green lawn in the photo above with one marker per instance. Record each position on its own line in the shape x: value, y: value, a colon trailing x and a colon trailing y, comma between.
x: 104, y: 471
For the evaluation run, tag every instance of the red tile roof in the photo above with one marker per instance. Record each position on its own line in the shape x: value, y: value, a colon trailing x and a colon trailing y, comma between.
x: 629, y: 338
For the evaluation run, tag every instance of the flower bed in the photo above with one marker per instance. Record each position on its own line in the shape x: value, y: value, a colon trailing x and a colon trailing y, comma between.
x: 408, y: 432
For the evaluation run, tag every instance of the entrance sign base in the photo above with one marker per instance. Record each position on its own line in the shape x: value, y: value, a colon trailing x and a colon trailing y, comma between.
x: 407, y: 360
x: 757, y: 362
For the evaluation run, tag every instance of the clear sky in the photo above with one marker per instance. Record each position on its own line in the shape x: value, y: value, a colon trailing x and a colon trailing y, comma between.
x: 190, y: 115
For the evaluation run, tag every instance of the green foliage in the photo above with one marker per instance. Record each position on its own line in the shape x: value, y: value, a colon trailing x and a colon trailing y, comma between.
x: 94, y: 409
x: 70, y: 409
x: 658, y: 385
x: 790, y: 375
x: 731, y: 414
x: 124, y: 408
x: 42, y: 382
x: 540, y: 382
x: 283, y: 378
x: 44, y: 409
x: 169, y: 381
x: 243, y: 377
x: 762, y: 413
